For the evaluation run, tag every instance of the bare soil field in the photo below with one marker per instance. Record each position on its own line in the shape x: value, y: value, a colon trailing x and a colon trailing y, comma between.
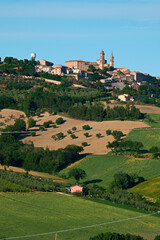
x: 95, y: 145
x: 8, y: 117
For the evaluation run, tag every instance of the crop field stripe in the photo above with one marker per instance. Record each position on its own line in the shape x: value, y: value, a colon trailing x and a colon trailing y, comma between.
x: 74, y: 229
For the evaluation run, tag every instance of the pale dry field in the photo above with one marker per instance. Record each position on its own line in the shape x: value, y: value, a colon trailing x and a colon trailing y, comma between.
x: 96, y: 145
x: 9, y: 116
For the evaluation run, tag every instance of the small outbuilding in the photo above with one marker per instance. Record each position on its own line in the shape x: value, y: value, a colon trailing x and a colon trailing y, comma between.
x: 77, y: 189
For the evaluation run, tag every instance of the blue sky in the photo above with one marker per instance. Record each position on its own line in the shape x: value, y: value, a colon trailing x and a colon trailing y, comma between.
x: 61, y: 30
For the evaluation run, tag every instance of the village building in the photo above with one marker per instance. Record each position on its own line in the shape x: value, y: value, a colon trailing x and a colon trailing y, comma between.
x: 59, y: 70
x: 125, y: 98
x: 43, y: 62
x: 83, y: 65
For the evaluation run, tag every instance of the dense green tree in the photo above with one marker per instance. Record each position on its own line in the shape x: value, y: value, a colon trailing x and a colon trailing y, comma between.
x: 155, y: 151
x: 60, y: 135
x: 86, y: 127
x: 117, y: 135
x: 95, y: 76
x: 91, y: 68
x: 77, y: 173
x: 157, y: 237
x: 59, y: 120
x: 19, y: 125
x: 108, y: 132
x: 31, y: 123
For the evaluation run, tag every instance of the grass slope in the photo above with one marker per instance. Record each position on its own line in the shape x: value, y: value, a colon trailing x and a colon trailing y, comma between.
x: 31, y: 213
x: 149, y: 189
x: 155, y: 118
x: 149, y: 137
x: 101, y: 168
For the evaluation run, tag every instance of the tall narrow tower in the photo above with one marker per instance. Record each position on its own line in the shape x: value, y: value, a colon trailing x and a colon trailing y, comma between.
x: 102, y: 60
x: 33, y: 56
x: 112, y: 60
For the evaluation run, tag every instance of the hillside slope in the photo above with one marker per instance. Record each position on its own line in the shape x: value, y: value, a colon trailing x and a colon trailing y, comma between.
x: 101, y: 168
x: 149, y: 189
x: 31, y: 213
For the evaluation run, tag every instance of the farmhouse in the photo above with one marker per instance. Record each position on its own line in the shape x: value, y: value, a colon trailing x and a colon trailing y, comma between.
x: 125, y: 98
x: 77, y: 189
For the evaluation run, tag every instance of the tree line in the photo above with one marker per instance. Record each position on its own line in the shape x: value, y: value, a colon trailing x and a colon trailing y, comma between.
x: 14, y: 153
x: 116, y: 236
x: 97, y: 112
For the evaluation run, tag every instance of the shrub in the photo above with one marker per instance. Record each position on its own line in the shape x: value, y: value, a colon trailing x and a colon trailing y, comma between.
x: 74, y: 128
x: 54, y: 137
x: 108, y: 132
x: 86, y: 134
x: 98, y: 135
x: 46, y: 124
x: 84, y: 144
x: 69, y: 131
x: 54, y: 126
x: 50, y: 121
x: 59, y: 120
x: 86, y: 127
x: 60, y: 136
x: 73, y: 136
x: 41, y: 128
x: 33, y: 134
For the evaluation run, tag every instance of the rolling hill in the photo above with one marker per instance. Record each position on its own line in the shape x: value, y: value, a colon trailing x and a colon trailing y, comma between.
x: 32, y: 213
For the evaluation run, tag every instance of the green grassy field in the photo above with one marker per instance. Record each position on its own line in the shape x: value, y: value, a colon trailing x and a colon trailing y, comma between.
x: 101, y: 168
x: 156, y: 119
x: 31, y: 213
x: 149, y: 189
x: 149, y: 137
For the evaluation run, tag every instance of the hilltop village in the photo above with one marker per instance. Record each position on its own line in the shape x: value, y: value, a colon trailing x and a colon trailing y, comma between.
x: 111, y: 77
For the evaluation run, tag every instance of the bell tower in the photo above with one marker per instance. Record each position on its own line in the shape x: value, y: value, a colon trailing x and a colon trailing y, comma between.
x: 102, y: 59
x: 112, y: 60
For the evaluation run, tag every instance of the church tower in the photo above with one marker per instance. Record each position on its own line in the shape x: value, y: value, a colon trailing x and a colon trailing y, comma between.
x: 102, y: 60
x: 112, y: 60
